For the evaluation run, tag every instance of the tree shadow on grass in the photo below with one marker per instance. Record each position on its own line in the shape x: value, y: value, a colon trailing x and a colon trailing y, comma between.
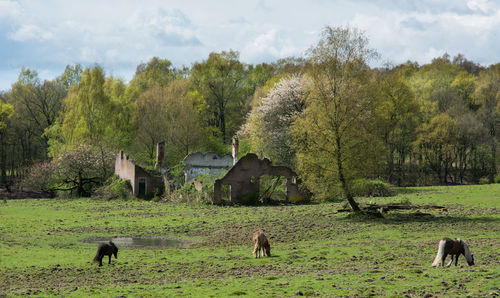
x: 425, y: 217
x: 406, y: 191
x: 421, y: 217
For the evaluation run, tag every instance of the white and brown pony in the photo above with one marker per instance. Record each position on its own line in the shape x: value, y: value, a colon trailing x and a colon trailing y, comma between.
x: 261, y: 245
x: 454, y: 248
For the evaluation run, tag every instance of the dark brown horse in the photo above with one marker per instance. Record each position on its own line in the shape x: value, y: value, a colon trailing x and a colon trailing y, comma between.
x: 454, y: 248
x: 106, y: 249
x: 261, y: 245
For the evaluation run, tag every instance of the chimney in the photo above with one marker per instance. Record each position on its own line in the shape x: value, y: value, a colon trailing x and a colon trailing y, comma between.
x: 160, y: 154
x: 235, y: 150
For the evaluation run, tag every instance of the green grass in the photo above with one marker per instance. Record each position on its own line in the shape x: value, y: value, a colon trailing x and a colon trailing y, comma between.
x: 315, y: 250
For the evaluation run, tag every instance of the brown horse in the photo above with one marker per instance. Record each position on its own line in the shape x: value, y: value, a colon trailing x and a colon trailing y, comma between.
x: 261, y: 245
x: 106, y: 249
x: 454, y: 248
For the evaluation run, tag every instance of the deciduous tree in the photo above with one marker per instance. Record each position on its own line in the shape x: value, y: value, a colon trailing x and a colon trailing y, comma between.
x: 219, y: 81
x: 268, y: 124
x: 332, y: 138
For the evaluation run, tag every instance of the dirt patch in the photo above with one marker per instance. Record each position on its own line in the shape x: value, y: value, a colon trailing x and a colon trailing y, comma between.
x: 25, y: 194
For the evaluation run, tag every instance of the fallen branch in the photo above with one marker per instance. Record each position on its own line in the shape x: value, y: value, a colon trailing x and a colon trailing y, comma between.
x: 394, y: 206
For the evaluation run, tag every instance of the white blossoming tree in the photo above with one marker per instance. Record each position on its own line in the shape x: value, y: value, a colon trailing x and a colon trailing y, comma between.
x: 268, y: 123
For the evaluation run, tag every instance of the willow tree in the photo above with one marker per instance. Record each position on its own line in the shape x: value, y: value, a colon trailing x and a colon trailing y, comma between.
x: 332, y: 139
x: 93, y: 115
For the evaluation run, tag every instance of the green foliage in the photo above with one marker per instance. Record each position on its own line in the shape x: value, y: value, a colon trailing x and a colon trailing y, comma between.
x: 436, y: 141
x: 166, y: 114
x: 6, y: 112
x: 115, y: 188
x: 432, y: 78
x: 220, y: 83
x: 484, y: 180
x: 212, y: 141
x: 272, y: 189
x: 332, y: 136
x: 497, y: 178
x: 156, y: 72
x: 410, y: 124
x: 372, y: 188
x: 199, y: 190
x: 96, y: 112
x: 71, y: 76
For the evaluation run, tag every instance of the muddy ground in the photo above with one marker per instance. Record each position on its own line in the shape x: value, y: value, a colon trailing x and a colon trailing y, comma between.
x: 315, y: 250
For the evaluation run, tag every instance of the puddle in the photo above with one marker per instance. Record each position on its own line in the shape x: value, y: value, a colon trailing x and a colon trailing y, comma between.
x: 138, y: 242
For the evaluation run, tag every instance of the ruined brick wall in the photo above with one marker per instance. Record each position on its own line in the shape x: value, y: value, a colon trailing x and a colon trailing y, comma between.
x: 125, y: 169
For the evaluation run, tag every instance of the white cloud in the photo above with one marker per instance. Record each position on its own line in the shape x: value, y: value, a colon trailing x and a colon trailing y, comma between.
x: 483, y: 6
x: 120, y: 34
x: 30, y: 32
x: 9, y: 10
x: 425, y: 34
x: 271, y: 44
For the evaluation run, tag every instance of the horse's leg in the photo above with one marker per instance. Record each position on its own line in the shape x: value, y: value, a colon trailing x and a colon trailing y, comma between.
x: 109, y: 259
x: 100, y: 260
x: 443, y: 259
x: 255, y: 250
x: 456, y: 259
x: 451, y: 261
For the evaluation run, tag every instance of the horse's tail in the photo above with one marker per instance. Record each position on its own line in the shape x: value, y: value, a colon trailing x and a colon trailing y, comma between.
x: 96, y: 258
x: 440, y: 253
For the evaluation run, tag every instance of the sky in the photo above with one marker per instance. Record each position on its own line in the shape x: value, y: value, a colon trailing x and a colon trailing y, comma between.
x: 47, y: 35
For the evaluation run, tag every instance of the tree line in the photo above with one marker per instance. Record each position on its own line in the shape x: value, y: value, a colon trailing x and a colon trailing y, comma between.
x: 328, y: 115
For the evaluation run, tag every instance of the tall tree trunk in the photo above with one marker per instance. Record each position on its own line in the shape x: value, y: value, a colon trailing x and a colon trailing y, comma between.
x: 347, y: 191
x: 222, y: 119
x: 2, y: 160
x: 493, y: 166
x: 80, y: 190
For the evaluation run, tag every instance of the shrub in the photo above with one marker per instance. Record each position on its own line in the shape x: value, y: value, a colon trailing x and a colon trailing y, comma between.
x: 198, y: 190
x: 371, y: 188
x: 115, y: 188
x: 497, y: 178
x: 40, y: 177
x: 484, y: 180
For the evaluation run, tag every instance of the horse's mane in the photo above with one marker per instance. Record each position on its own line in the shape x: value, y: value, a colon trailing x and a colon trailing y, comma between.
x: 467, y: 253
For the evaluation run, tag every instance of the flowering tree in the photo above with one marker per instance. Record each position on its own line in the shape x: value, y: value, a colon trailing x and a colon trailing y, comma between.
x: 81, y: 168
x: 268, y: 124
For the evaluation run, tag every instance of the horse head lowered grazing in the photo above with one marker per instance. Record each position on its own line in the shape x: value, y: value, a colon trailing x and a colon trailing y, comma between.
x: 261, y: 245
x: 454, y: 248
x: 106, y: 249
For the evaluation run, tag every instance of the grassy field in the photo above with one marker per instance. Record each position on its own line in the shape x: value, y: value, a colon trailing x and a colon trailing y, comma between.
x: 315, y: 250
